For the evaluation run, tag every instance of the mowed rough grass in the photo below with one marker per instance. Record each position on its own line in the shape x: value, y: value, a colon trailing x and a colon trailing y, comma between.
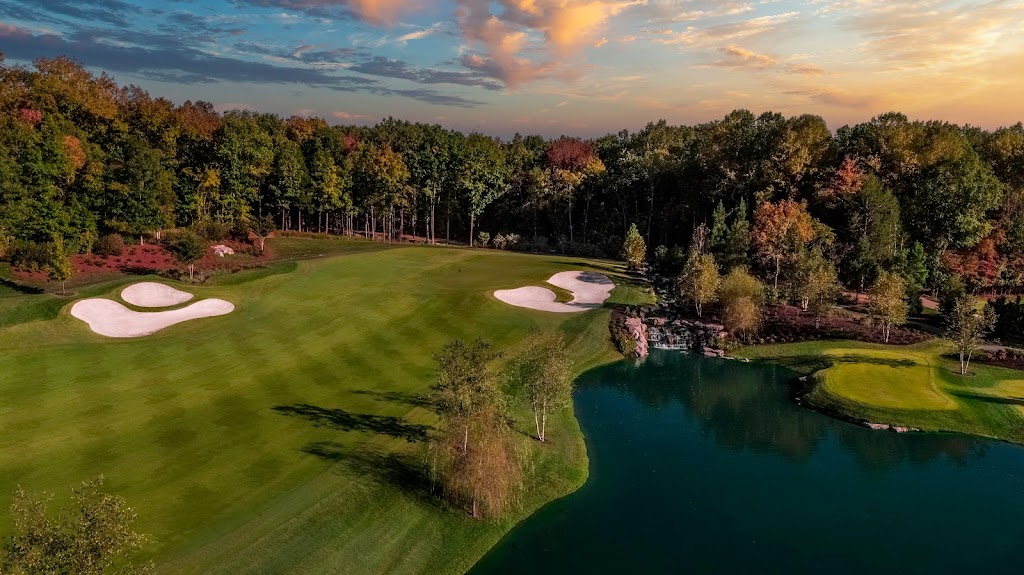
x: 916, y: 386
x: 285, y: 437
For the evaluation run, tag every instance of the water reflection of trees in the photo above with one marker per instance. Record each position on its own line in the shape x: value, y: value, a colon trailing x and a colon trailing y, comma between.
x: 747, y: 407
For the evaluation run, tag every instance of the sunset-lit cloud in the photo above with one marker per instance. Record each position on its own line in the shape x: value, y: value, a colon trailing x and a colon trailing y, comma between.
x: 593, y: 65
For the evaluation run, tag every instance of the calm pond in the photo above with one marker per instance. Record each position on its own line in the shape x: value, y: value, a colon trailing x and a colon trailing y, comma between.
x: 706, y: 466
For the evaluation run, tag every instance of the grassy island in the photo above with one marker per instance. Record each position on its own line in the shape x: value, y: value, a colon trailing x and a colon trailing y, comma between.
x: 916, y: 386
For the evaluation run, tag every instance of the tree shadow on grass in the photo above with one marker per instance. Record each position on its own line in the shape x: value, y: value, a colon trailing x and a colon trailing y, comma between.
x: 854, y: 358
x: 990, y: 399
x: 345, y: 421
x: 405, y: 471
x: 801, y: 363
x: 19, y: 288
x: 410, y: 399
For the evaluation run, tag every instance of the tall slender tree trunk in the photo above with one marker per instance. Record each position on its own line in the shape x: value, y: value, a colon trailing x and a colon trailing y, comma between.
x: 543, y: 419
x: 570, y: 222
x: 650, y: 210
x: 586, y: 216
x: 536, y: 424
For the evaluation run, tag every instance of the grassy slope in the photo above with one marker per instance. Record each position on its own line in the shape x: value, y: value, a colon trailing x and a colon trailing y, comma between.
x: 183, y: 422
x: 914, y: 386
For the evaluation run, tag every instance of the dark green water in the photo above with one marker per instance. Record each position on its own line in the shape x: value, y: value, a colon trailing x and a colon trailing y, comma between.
x: 705, y: 466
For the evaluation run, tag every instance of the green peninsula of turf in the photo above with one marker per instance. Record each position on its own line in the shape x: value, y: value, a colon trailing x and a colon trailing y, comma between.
x: 287, y: 436
x: 915, y: 386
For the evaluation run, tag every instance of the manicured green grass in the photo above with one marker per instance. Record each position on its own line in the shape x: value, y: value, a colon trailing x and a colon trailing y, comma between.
x: 285, y: 436
x: 315, y: 246
x: 917, y: 386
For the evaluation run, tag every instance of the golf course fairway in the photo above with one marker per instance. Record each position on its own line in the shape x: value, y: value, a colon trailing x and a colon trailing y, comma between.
x: 285, y: 436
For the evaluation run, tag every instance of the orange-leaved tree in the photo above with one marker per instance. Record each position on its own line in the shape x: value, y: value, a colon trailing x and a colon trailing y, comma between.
x: 779, y: 229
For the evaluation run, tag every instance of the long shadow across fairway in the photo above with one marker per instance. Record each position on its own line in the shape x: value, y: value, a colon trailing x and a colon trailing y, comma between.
x: 872, y: 360
x: 345, y: 421
x: 990, y: 399
x: 410, y: 399
x: 405, y: 471
x: 18, y: 288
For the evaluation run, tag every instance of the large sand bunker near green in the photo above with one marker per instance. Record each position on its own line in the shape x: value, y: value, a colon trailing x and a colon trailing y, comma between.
x: 589, y: 291
x: 152, y: 294
x: 110, y: 318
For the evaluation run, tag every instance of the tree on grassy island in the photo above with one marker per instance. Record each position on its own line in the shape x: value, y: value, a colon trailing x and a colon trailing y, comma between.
x: 967, y: 327
x: 635, y: 249
x: 546, y: 372
x: 188, y: 248
x: 740, y: 294
x: 261, y: 228
x: 888, y: 302
x: 88, y: 538
x: 699, y: 280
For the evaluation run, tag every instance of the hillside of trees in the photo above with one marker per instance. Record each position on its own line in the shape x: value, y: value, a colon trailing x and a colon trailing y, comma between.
x: 81, y: 157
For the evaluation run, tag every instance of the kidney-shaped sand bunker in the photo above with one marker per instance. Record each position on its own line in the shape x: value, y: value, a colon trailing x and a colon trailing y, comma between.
x: 153, y: 294
x: 589, y: 291
x: 110, y: 318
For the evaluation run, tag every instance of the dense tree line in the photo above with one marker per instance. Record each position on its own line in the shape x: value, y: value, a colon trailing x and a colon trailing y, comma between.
x: 81, y: 157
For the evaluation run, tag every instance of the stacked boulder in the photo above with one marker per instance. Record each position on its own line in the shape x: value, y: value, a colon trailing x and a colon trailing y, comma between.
x: 637, y: 329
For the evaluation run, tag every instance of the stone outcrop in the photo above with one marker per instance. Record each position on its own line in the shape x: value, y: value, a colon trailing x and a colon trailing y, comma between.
x: 887, y: 427
x: 222, y: 250
x: 637, y: 329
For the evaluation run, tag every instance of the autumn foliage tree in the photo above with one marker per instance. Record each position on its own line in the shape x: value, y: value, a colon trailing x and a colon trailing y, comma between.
x: 635, y: 249
x: 740, y: 294
x: 779, y: 229
x: 571, y: 162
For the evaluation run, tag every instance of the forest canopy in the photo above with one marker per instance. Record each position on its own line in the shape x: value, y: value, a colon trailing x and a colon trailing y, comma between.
x: 82, y: 157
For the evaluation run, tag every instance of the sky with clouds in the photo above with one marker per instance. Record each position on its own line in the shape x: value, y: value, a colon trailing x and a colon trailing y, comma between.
x: 583, y: 67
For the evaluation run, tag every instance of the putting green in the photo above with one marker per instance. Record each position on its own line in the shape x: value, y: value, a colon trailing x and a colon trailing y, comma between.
x: 884, y: 379
x: 286, y: 436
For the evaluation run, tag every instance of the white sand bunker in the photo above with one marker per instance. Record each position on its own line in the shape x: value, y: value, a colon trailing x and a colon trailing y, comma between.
x: 109, y: 318
x: 152, y: 294
x: 589, y: 291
